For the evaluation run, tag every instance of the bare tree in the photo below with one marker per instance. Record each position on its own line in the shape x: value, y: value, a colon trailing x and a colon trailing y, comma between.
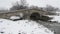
x: 19, y: 5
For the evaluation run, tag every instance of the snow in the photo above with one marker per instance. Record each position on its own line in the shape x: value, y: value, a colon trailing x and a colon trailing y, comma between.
x: 14, y: 17
x: 23, y: 27
x: 17, y: 17
x: 55, y: 18
x: 57, y: 12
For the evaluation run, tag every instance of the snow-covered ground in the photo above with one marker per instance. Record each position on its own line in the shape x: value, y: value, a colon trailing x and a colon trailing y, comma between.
x: 22, y: 27
x: 56, y: 18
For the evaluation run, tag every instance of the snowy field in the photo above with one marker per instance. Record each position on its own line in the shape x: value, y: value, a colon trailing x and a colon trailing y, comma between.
x: 22, y: 27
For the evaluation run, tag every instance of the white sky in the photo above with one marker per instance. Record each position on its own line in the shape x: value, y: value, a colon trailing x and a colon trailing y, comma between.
x: 40, y: 3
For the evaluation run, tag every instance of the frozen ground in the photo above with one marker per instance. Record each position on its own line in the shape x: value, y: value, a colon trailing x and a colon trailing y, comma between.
x: 22, y: 27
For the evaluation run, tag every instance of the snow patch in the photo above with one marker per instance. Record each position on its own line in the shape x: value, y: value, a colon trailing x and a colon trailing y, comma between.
x: 55, y: 18
x: 15, y: 17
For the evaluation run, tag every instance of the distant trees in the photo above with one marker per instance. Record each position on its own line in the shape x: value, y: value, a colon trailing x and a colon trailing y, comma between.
x: 50, y: 8
x: 34, y: 7
x: 19, y: 5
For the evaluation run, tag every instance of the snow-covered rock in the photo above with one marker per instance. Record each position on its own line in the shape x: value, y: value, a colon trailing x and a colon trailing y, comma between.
x: 22, y: 27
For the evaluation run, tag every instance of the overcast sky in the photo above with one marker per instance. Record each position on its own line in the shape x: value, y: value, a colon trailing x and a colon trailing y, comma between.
x: 40, y: 3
